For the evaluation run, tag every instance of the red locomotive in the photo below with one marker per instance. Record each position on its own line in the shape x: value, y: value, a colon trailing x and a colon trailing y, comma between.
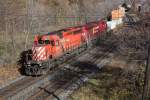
x: 49, y: 49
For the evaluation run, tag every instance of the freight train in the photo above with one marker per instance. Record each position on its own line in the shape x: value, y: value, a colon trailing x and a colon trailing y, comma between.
x: 55, y: 47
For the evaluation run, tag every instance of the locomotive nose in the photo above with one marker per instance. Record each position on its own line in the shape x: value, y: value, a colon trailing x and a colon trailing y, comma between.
x: 39, y: 53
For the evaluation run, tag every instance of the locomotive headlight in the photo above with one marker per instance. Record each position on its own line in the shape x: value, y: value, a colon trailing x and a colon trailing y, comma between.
x: 40, y: 64
x: 29, y: 63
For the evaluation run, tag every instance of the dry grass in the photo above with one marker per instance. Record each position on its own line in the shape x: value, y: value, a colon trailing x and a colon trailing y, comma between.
x: 112, y: 83
x: 10, y: 49
x: 122, y: 63
x: 8, y: 73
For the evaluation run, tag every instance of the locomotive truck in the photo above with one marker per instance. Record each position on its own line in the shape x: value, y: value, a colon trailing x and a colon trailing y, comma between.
x: 54, y: 47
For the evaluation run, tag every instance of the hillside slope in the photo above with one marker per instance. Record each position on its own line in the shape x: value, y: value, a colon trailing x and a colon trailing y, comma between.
x: 21, y: 17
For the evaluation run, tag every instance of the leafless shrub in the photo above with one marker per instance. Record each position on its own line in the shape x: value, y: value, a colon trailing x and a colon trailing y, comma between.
x: 132, y: 41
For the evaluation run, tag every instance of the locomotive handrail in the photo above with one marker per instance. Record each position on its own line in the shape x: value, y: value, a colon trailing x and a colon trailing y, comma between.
x: 27, y: 57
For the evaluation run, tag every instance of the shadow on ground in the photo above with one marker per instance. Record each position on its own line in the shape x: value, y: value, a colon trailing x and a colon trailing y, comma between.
x: 86, y: 66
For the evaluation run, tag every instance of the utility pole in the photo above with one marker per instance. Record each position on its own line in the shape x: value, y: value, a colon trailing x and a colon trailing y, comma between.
x: 145, y: 94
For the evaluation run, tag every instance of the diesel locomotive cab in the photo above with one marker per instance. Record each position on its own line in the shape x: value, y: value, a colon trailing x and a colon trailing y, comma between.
x: 38, y: 62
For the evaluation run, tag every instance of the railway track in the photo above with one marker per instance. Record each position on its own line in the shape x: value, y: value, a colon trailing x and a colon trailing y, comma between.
x: 74, y: 75
x: 24, y: 88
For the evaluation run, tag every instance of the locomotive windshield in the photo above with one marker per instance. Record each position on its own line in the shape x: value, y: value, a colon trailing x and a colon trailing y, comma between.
x: 45, y: 42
